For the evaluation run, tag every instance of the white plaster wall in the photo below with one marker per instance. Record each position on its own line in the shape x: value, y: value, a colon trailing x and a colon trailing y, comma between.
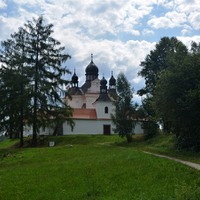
x: 100, y: 109
x: 82, y: 127
x: 90, y: 99
x: 95, y: 86
x: 77, y: 101
x: 28, y: 130
x: 87, y: 127
x: 138, y: 129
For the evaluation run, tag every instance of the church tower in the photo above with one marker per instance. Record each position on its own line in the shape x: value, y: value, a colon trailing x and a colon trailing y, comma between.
x: 112, y: 82
x: 91, y: 71
x: 74, y: 80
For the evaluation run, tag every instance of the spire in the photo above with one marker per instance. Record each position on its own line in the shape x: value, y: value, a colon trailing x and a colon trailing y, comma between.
x: 91, y: 57
x: 112, y: 81
x: 103, y: 91
x: 91, y: 71
x: 74, y: 79
x: 103, y: 87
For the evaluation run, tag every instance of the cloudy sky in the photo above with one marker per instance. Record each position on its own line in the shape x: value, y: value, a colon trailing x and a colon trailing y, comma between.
x: 120, y: 33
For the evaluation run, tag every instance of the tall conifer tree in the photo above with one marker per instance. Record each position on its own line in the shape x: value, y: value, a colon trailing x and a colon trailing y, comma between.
x: 124, y: 110
x: 35, y: 59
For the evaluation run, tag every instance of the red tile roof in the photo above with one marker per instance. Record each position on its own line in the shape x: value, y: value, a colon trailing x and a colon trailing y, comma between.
x: 79, y: 113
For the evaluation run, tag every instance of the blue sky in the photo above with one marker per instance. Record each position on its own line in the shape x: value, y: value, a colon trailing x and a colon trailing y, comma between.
x: 120, y: 33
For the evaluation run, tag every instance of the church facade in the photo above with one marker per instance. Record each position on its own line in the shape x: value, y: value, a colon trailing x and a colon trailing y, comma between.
x: 92, y: 103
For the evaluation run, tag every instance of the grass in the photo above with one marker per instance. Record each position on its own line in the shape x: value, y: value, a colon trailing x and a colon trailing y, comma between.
x: 165, y: 144
x: 89, y: 167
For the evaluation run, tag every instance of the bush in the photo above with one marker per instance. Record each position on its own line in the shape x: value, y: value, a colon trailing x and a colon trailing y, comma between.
x: 188, y: 142
x: 150, y: 129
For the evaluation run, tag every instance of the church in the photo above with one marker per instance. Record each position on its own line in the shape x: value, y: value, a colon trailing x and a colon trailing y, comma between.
x: 92, y: 103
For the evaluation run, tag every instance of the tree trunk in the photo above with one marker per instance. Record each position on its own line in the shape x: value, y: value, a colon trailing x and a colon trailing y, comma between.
x: 129, y: 138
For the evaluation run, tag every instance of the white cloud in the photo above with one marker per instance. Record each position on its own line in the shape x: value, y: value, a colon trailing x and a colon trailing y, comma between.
x: 148, y: 32
x: 101, y: 28
x: 2, y: 4
x: 160, y: 22
x: 186, y: 30
x: 187, y: 40
x: 187, y: 6
x: 28, y: 2
x: 194, y: 19
x: 169, y: 20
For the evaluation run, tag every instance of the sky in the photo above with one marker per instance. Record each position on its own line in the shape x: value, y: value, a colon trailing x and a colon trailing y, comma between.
x: 119, y: 33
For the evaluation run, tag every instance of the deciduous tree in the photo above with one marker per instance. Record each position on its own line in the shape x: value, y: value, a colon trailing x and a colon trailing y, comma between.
x: 177, y: 97
x: 167, y: 51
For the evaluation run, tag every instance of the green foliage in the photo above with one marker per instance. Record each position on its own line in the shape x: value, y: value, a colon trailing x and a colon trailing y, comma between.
x: 143, y: 113
x: 158, y: 60
x: 172, y: 88
x: 177, y: 99
x: 155, y: 63
x: 124, y: 110
x: 150, y: 129
x: 14, y: 79
x: 33, y: 61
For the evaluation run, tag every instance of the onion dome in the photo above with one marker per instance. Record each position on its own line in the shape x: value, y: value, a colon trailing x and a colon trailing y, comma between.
x: 112, y: 81
x: 74, y: 78
x: 103, y: 81
x: 92, y: 69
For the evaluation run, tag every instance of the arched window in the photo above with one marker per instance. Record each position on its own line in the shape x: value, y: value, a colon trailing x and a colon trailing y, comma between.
x: 106, y: 109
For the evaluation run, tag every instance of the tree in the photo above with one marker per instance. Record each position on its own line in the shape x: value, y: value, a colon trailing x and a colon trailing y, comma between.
x: 45, y: 58
x: 167, y: 51
x: 123, y: 117
x: 40, y: 61
x: 177, y: 97
x: 149, y: 125
x: 158, y: 60
x: 13, y: 81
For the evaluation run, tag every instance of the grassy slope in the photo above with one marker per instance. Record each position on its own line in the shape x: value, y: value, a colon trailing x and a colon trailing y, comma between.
x: 164, y: 144
x: 93, y: 167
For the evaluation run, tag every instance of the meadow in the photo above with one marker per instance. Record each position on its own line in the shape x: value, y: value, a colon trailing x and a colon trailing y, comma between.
x: 87, y: 167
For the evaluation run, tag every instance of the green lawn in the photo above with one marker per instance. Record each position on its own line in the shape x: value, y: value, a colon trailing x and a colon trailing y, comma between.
x: 93, y: 167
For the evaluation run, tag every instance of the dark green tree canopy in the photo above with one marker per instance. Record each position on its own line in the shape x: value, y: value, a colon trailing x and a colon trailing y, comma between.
x: 158, y: 60
x: 35, y: 59
x: 177, y: 97
x: 123, y: 118
x: 172, y: 75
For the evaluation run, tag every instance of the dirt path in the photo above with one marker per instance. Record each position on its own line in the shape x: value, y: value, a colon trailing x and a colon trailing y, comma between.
x: 191, y: 164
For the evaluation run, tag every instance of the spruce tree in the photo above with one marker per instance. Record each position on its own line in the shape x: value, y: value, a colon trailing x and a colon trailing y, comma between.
x: 35, y: 60
x: 45, y: 56
x: 124, y: 110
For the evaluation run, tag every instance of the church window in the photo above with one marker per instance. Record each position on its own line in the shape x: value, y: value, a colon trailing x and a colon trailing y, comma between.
x: 84, y: 106
x: 106, y: 109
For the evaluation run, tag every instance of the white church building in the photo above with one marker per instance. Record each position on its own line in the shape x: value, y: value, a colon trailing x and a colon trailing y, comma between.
x: 92, y: 103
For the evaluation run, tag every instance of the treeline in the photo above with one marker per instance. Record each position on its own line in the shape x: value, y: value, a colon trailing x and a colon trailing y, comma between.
x: 32, y: 85
x: 172, y: 90
x: 32, y: 80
